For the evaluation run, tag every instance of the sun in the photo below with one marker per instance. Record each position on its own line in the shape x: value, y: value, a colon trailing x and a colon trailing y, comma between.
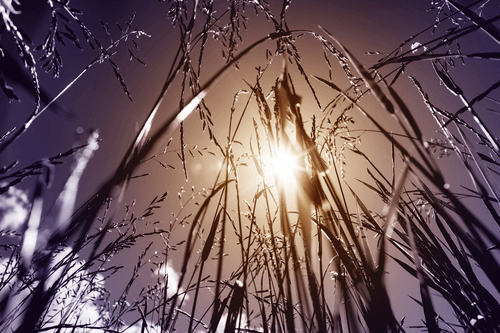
x: 284, y: 167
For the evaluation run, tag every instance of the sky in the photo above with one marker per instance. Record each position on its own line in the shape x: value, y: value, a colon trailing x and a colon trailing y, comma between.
x: 97, y: 101
x: 117, y: 118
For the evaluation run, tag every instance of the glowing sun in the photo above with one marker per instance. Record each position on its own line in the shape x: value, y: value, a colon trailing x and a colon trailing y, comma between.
x: 284, y: 166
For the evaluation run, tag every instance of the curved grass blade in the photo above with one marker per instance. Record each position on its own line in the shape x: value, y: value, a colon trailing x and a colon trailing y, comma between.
x: 429, y: 313
x: 490, y: 29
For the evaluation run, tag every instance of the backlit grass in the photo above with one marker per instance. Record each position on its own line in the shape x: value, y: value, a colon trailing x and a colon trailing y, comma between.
x: 298, y: 217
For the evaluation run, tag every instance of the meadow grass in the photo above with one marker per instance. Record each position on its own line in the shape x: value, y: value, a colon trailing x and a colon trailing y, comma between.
x: 306, y: 249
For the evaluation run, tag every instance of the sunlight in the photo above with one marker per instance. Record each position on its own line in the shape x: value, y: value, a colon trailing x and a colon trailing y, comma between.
x: 284, y: 166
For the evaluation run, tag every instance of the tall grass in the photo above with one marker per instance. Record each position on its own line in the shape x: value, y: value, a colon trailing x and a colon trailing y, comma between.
x: 309, y: 252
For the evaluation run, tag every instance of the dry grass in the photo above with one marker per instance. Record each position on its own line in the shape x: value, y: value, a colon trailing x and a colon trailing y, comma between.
x: 306, y: 252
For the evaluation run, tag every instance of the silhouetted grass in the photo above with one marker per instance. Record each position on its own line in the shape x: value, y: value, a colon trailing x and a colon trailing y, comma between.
x: 309, y: 252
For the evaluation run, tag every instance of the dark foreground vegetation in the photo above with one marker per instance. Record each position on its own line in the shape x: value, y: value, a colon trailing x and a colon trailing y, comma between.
x: 380, y: 191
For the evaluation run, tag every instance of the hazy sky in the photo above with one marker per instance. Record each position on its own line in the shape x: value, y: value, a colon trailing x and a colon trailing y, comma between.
x: 97, y: 101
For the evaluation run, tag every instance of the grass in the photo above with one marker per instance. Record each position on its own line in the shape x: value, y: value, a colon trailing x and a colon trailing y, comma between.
x: 256, y: 251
